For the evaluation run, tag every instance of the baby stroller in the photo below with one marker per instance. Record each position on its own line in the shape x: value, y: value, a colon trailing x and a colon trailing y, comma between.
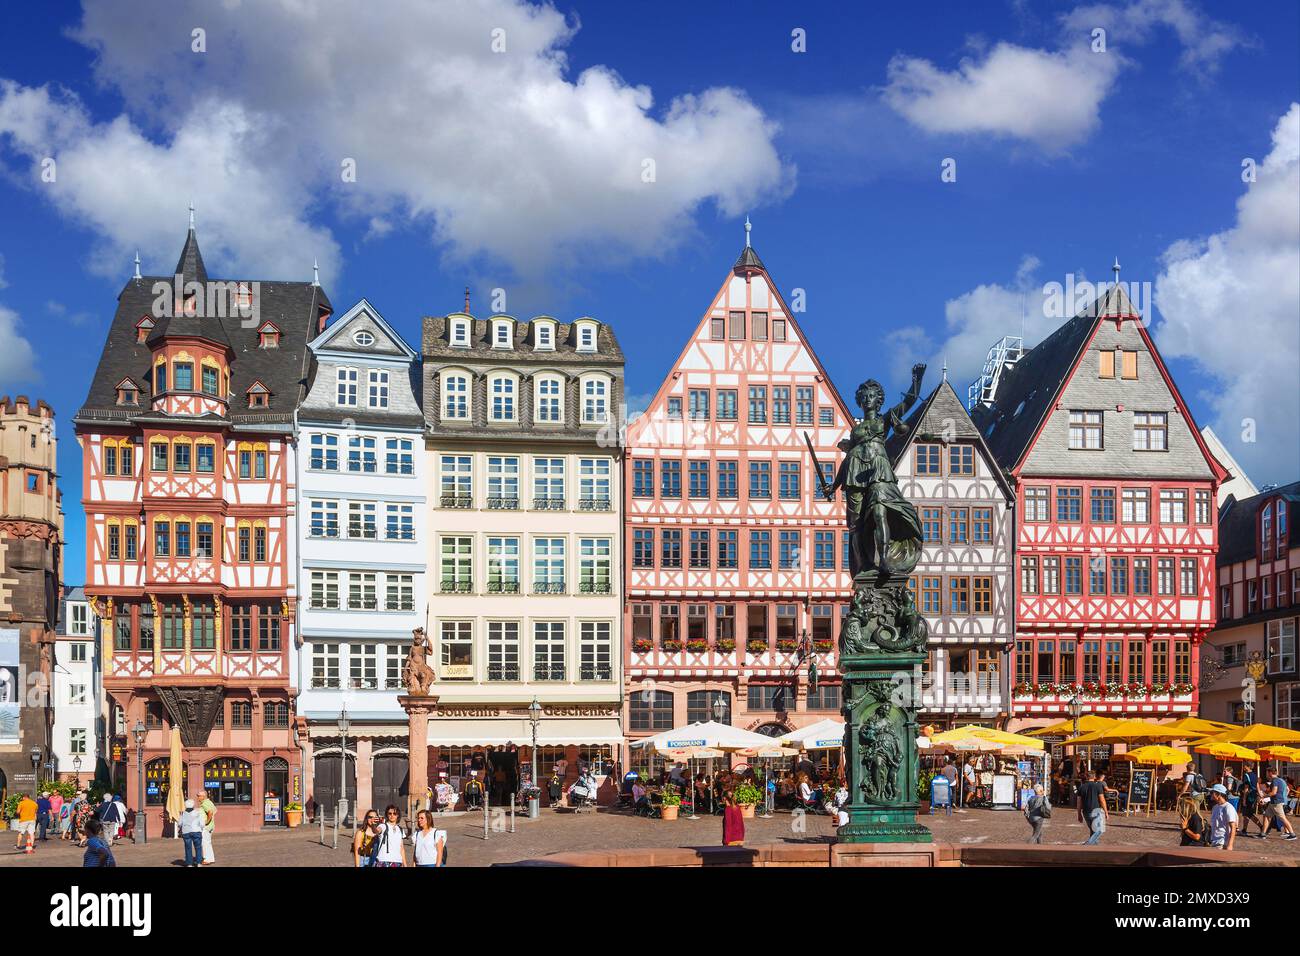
x: 582, y: 795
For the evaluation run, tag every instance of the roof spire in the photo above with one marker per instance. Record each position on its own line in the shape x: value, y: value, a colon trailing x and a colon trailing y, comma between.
x: 137, y: 264
x: 191, y: 215
x: 467, y: 300
x: 945, y: 368
x: 1115, y: 269
x: 315, y: 272
x: 747, y: 228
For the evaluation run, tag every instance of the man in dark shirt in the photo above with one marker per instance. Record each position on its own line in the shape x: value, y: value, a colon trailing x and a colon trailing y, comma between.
x: 43, y: 814
x: 1091, y: 802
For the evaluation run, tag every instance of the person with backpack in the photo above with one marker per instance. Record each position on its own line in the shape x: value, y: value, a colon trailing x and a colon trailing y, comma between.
x: 98, y: 852
x: 1248, y: 801
x: 430, y: 843
x: 1038, y: 810
x: 110, y: 818
x: 389, y: 848
x: 1193, y: 791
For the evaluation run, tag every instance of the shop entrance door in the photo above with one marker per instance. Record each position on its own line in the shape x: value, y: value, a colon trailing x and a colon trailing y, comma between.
x: 391, y: 782
x: 327, y: 786
x: 277, y: 782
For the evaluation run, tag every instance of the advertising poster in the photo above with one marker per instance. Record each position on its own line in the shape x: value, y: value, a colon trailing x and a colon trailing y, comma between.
x: 10, y: 688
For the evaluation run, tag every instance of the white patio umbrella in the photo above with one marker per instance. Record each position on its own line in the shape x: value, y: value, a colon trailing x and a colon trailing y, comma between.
x: 709, y: 734
x: 826, y: 734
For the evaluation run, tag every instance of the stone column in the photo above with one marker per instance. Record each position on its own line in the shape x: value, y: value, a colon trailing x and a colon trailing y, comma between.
x: 418, y: 711
x: 365, y: 774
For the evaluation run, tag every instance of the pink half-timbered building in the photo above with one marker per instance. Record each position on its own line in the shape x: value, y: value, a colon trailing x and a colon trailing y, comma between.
x: 735, y: 563
x: 188, y: 485
x: 1116, y: 532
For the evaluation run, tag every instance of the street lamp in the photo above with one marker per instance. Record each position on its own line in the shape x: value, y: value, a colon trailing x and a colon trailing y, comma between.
x: 76, y: 769
x: 139, y: 731
x: 1075, y: 708
x: 534, y: 801
x: 344, y: 723
x: 36, y: 766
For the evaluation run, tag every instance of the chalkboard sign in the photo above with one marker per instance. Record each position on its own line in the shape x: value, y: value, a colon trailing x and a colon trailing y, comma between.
x: 1140, y: 788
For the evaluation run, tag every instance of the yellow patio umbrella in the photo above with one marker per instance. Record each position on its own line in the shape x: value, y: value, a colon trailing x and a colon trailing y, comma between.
x: 1130, y: 732
x: 1157, y: 754
x: 1256, y: 735
x: 1200, y: 727
x: 1226, y: 751
x: 176, y: 778
x: 1288, y: 754
x: 1087, y: 724
x: 1002, y: 737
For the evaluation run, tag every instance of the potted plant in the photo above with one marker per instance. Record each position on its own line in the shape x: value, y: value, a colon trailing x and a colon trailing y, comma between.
x: 725, y: 645
x: 672, y: 803
x: 823, y: 646
x: 923, y: 790
x: 756, y: 646
x: 672, y: 645
x: 293, y: 814
x: 746, y: 796
x: 643, y: 645
x: 697, y: 646
x: 787, y: 645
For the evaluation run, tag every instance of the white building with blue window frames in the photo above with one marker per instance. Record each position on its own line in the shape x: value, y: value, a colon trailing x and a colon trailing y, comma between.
x: 362, y: 543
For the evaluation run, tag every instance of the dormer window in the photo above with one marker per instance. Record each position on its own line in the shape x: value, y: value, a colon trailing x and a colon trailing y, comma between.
x: 128, y: 393
x: 244, y: 297
x: 545, y: 337
x: 143, y: 328
x: 455, y: 396
x: 459, y: 333
x: 259, y: 396
x: 268, y: 336
x: 586, y: 337
x: 501, y: 335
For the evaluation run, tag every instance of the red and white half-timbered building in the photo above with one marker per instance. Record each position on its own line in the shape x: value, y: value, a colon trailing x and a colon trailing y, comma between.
x: 188, y: 485
x: 736, y: 564
x: 1116, y: 531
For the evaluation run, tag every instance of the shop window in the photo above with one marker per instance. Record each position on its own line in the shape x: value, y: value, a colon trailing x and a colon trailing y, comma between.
x: 228, y: 780
x: 651, y: 710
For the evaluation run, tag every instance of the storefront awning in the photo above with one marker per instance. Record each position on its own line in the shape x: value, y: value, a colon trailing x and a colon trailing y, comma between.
x: 551, y: 731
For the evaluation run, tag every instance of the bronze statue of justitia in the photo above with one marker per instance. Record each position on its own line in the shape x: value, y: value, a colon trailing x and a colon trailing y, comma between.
x: 885, y: 531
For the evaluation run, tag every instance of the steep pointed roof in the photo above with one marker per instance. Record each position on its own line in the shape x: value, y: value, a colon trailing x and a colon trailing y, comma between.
x: 190, y: 265
x: 941, y: 413
x: 191, y: 269
x: 748, y: 261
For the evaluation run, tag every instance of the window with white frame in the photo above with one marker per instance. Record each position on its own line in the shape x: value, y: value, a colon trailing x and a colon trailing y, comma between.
x: 79, y: 652
x: 455, y: 396
x: 399, y: 592
x: 459, y: 333
x: 361, y: 520
x: 501, y: 337
x: 593, y: 484
x: 548, y: 650
x: 503, y: 565
x: 503, y: 650
x: 595, y: 651
x: 399, y: 522
x: 456, y: 650
x: 377, y: 395
x: 544, y: 336
x: 594, y: 565
x: 457, y: 481
x: 346, y: 395
x: 325, y: 590
x: 548, y: 565
x: 78, y: 618
x: 77, y: 695
x: 586, y: 337
x: 1085, y: 430
x: 393, y: 661
x: 77, y: 741
x: 1280, y: 637
x: 457, y: 563
x: 548, y: 484
x: 363, y: 666
x: 324, y: 518
x: 1173, y: 506
x: 503, y: 482
x: 324, y: 455
x: 1135, y: 506
x: 324, y: 665
x: 1288, y: 705
x: 548, y: 407
x: 1150, y: 431
x: 399, y: 456
x: 362, y: 591
x: 595, y: 401
x: 362, y: 454
x: 503, y: 391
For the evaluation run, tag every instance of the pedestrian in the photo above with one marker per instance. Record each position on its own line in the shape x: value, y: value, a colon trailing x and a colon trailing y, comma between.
x: 26, y: 822
x: 1248, y: 802
x: 1037, y: 812
x: 1229, y: 781
x: 430, y: 843
x: 1223, y: 819
x: 1192, y: 828
x: 950, y: 771
x: 364, y: 838
x: 733, y: 821
x: 209, y: 828
x: 191, y: 824
x: 1275, y: 812
x: 389, y: 848
x: 43, y: 816
x: 969, y: 774
x: 98, y: 850
x: 109, y: 818
x: 1091, y: 803
x: 122, y: 817
x: 57, y: 812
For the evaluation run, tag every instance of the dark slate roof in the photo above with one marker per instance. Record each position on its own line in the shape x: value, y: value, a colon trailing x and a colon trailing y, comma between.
x: 748, y: 260
x: 190, y: 264
x: 1027, y: 391
x: 435, y: 343
x: 1239, y: 525
x: 294, y: 307
x: 932, y: 418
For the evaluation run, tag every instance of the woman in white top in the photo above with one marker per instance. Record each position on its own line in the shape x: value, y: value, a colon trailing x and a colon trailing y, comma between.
x: 389, y: 850
x: 430, y: 844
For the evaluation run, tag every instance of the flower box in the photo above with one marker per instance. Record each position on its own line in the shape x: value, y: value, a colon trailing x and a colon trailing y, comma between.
x: 697, y: 647
x: 725, y: 646
x: 672, y: 647
x: 643, y: 645
x: 756, y: 647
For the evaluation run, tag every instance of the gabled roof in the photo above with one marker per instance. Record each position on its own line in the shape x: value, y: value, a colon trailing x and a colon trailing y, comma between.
x: 1239, y: 523
x: 335, y: 339
x: 941, y: 413
x: 436, y: 345
x: 257, y: 386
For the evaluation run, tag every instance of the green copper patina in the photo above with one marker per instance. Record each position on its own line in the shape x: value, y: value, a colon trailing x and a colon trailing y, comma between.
x: 883, y: 640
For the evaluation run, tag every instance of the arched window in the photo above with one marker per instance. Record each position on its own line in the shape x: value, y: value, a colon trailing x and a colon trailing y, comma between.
x: 158, y: 781
x: 503, y: 391
x: 455, y: 396
x: 228, y: 780
x: 548, y: 402
x: 586, y: 335
x: 503, y: 334
x: 595, y: 400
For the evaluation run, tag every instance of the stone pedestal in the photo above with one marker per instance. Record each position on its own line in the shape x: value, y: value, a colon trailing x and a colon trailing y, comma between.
x: 418, y: 709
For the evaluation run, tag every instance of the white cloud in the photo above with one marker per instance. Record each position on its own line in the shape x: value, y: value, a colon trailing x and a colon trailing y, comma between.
x: 496, y: 155
x: 1204, y: 41
x: 17, y: 357
x: 1231, y: 304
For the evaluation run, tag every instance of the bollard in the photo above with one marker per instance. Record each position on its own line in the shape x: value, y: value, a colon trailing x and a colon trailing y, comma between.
x: 485, y: 814
x: 512, y: 813
x: 320, y: 819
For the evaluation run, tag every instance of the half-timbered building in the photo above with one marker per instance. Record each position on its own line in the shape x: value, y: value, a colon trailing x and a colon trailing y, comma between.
x: 1116, y: 535
x: 963, y: 584
x: 737, y: 565
x: 188, y: 483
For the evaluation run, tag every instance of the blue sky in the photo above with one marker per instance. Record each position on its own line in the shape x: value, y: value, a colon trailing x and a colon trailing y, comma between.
x: 500, y: 144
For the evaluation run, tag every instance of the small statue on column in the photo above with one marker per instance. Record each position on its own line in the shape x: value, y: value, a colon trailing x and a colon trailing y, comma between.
x: 417, y: 675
